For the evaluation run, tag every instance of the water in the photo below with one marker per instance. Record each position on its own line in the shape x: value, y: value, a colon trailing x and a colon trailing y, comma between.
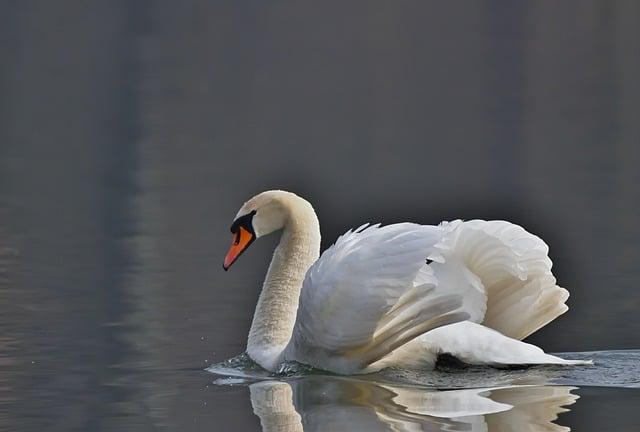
x: 131, y: 132
x: 618, y: 369
x: 451, y: 399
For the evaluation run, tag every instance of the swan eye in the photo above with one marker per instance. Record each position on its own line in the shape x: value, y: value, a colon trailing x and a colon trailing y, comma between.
x: 245, y: 222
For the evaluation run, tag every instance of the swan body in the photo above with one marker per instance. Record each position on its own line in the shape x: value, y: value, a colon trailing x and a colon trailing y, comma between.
x: 396, y: 295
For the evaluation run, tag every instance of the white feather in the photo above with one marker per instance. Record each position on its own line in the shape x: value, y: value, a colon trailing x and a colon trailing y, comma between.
x: 513, y: 265
x: 476, y: 344
x: 350, y: 311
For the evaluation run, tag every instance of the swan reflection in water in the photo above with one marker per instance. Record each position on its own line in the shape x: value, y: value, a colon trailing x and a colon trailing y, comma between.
x: 345, y: 404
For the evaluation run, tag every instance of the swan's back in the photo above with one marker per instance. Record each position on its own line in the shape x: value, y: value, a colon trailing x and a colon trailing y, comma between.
x: 392, y: 296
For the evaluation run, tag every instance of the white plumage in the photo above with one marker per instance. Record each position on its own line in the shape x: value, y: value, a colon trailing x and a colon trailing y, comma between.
x: 400, y: 295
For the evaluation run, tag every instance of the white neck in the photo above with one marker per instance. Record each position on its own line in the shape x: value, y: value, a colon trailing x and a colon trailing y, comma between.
x: 275, y: 313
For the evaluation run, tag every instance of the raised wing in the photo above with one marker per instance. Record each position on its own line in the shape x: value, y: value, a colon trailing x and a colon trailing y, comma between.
x: 513, y: 267
x: 359, y: 301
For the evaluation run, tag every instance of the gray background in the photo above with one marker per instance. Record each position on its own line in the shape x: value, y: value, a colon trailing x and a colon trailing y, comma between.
x: 132, y: 131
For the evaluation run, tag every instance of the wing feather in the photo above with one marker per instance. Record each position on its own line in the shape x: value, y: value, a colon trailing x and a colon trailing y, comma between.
x: 349, y: 313
x: 372, y: 292
x: 514, y: 267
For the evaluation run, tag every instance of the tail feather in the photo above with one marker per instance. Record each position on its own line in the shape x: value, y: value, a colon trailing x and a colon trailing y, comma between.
x: 476, y: 344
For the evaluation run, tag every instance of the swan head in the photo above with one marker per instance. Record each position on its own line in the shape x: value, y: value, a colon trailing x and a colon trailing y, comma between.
x: 263, y: 214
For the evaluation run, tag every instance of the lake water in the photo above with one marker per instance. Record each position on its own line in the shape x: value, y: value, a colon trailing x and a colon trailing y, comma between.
x: 131, y: 133
x: 452, y: 398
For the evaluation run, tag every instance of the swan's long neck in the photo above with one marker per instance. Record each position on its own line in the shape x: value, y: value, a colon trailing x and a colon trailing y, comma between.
x: 275, y: 313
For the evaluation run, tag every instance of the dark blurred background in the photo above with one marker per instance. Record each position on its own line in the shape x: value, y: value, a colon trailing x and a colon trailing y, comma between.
x: 132, y: 131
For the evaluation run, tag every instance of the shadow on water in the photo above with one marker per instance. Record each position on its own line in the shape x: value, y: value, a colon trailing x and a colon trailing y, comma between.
x: 454, y: 397
x: 401, y: 400
x: 344, y: 404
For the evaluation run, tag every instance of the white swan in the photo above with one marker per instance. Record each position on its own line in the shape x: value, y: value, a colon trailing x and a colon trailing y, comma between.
x: 397, y: 295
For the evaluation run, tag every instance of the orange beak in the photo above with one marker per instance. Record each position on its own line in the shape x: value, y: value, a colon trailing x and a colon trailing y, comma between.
x: 241, y: 241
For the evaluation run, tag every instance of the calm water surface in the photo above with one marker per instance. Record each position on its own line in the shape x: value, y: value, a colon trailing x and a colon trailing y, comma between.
x: 131, y: 132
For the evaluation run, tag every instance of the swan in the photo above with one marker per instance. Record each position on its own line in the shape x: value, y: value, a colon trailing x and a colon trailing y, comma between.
x: 398, y: 295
